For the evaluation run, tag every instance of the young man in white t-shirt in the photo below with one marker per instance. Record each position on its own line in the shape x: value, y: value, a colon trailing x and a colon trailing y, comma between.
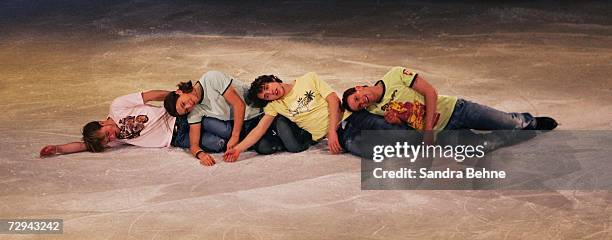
x: 130, y: 121
x: 217, y: 115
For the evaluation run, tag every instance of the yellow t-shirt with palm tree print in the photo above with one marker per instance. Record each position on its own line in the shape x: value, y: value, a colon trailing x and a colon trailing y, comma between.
x: 305, y: 105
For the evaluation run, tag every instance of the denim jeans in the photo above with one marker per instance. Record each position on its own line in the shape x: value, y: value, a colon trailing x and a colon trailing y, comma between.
x: 470, y: 115
x: 208, y: 142
x: 222, y: 130
x: 466, y: 115
x: 294, y: 138
x: 215, y: 133
x: 349, y: 133
x: 180, y: 135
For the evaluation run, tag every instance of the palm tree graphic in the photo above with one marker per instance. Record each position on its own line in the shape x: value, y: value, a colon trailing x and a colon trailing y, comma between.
x: 309, y: 96
x: 302, y: 105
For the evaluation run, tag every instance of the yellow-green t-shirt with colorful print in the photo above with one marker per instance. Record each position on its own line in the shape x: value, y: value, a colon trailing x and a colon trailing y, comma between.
x: 305, y: 105
x: 410, y: 105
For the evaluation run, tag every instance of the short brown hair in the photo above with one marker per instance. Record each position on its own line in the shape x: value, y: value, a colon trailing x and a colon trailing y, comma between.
x: 345, y: 97
x: 172, y: 97
x: 91, y: 138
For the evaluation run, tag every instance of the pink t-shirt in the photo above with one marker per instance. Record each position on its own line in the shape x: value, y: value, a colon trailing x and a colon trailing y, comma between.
x: 141, y: 124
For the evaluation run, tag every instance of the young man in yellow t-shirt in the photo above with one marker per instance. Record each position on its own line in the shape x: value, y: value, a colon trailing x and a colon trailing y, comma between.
x: 404, y: 97
x: 309, y: 110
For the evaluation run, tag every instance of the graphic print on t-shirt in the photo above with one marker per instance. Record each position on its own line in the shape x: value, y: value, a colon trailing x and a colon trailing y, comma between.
x: 412, y: 114
x: 130, y: 126
x: 302, y: 104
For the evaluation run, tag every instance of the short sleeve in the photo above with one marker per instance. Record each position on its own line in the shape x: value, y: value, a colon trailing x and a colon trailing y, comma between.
x: 322, y: 86
x: 196, y: 114
x: 402, y: 74
x: 269, y: 110
x: 216, y: 81
x: 125, y: 103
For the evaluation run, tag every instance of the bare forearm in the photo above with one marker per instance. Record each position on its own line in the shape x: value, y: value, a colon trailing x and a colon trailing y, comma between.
x: 194, y: 138
x: 154, y: 95
x: 72, y: 147
x: 334, y: 113
x: 238, y: 120
x: 255, y: 134
x: 431, y: 101
x: 238, y: 106
x: 250, y: 139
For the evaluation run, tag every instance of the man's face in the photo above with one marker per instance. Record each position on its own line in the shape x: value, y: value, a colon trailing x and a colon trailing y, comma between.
x: 361, y: 99
x: 108, y: 132
x: 185, y: 102
x: 271, y: 91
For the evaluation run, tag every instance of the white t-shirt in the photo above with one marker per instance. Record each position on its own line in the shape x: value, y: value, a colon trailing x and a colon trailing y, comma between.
x: 213, y: 104
x: 141, y: 124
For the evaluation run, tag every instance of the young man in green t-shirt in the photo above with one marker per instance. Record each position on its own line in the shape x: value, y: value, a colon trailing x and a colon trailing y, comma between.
x: 404, y: 97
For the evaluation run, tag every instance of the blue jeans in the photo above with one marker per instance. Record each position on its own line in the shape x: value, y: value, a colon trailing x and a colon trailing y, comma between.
x: 466, y: 115
x: 221, y: 132
x: 180, y: 135
x: 349, y: 133
x: 470, y: 115
x: 215, y: 133
x: 293, y: 138
x: 208, y: 142
x: 268, y: 144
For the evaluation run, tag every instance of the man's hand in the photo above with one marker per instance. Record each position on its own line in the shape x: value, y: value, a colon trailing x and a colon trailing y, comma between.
x: 48, y: 151
x: 232, y: 142
x: 206, y: 159
x: 333, y: 143
x: 231, y: 155
x: 392, y: 118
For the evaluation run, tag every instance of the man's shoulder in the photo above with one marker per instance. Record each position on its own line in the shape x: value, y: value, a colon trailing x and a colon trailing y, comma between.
x: 196, y: 114
x: 272, y: 107
x: 215, y: 81
x: 308, y: 77
x: 276, y: 103
x: 131, y: 100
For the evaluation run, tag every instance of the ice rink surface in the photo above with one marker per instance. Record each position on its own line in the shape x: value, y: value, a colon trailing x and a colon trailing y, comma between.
x: 62, y: 62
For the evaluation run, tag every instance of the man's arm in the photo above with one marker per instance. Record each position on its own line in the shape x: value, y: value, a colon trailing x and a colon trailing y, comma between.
x: 333, y: 107
x: 194, y: 146
x: 431, y: 101
x: 238, y: 106
x: 67, y: 148
x: 252, y: 138
x: 154, y: 95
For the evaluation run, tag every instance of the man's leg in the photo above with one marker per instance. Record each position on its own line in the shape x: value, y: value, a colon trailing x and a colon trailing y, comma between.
x: 364, y: 120
x: 470, y: 115
x: 212, y: 143
x: 349, y: 132
x: 269, y: 142
x: 217, y: 127
x: 208, y: 142
x: 294, y: 138
x: 268, y: 145
x: 180, y: 136
x: 214, y: 134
